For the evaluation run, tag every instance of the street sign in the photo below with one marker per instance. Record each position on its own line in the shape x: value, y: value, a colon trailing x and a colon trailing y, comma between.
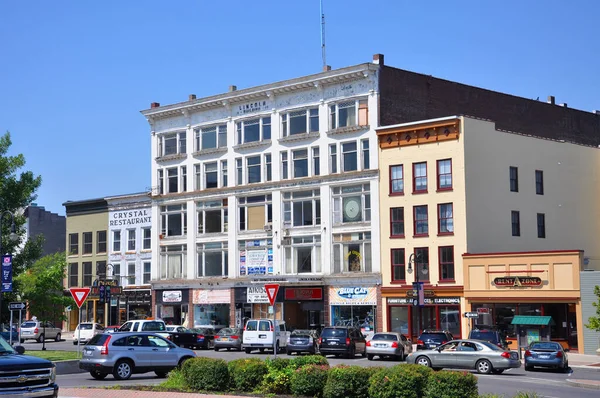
x: 16, y: 306
x: 7, y: 273
x: 79, y: 294
x: 272, y: 290
x: 471, y: 314
x: 418, y: 294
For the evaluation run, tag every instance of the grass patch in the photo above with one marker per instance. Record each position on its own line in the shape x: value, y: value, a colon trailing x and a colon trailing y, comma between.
x: 53, y: 355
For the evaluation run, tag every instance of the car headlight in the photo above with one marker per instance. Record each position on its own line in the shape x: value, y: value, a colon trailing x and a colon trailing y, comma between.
x: 53, y: 374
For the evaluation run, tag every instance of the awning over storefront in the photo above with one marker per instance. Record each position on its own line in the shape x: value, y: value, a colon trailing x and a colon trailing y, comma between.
x: 532, y: 320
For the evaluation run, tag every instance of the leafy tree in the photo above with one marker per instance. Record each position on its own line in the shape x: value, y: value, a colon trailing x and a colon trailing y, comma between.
x: 17, y: 191
x: 594, y: 321
x: 42, y: 286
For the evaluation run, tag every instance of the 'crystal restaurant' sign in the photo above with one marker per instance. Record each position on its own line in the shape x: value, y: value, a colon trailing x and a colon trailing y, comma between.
x: 518, y: 281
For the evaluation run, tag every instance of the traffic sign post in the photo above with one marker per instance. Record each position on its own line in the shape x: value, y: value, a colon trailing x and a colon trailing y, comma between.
x: 272, y: 290
x: 15, y: 306
x: 80, y: 294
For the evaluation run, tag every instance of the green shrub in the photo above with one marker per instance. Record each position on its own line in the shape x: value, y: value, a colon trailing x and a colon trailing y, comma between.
x: 491, y: 396
x: 400, y: 381
x: 300, y: 361
x: 446, y: 384
x: 246, y: 374
x: 277, y: 363
x: 208, y: 374
x: 524, y: 394
x: 347, y: 382
x: 175, y: 381
x: 309, y: 380
x: 277, y: 380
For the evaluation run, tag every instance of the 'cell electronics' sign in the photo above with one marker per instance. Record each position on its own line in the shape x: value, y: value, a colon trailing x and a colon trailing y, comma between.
x: 518, y: 281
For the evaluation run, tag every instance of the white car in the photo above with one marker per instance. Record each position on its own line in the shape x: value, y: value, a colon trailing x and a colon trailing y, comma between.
x: 261, y: 334
x: 85, y: 331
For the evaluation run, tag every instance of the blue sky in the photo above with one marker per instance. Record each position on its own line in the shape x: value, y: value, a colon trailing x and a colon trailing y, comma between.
x: 75, y: 74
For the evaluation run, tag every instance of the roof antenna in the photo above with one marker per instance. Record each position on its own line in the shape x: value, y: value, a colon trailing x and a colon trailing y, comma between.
x: 323, y: 37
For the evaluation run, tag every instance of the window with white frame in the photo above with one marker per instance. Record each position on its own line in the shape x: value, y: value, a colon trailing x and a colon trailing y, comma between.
x: 211, y: 175
x: 351, y: 204
x: 239, y: 171
x: 87, y: 243
x: 253, y: 130
x: 210, y: 137
x: 212, y: 216
x: 253, y: 169
x: 349, y: 156
x: 299, y: 122
x: 130, y: 274
x: 116, y: 241
x: 316, y: 161
x: 268, y: 167
x: 173, y: 220
x: 183, y: 179
x: 223, y: 173
x: 352, y: 252
x: 197, y: 177
x: 284, y: 166
x: 146, y: 238
x: 161, y: 181
x: 101, y: 242
x: 87, y: 273
x: 303, y: 255
x: 300, y: 159
x: 333, y: 168
x: 171, y: 144
x: 130, y: 240
x: 255, y: 212
x: 176, y: 180
x: 301, y: 209
x: 147, y: 272
x: 173, y: 260
x: 348, y: 114
x: 213, y: 259
x: 116, y: 272
x: 366, y: 159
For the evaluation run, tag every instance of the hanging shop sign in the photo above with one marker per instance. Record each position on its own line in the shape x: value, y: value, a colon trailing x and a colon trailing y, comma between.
x: 203, y: 296
x: 428, y: 300
x: 428, y: 293
x: 517, y: 281
x: 356, y: 295
x: 309, y: 293
x: 172, y: 296
x: 257, y: 294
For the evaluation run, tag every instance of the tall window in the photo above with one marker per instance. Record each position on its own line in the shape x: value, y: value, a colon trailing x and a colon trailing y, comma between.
x: 87, y: 243
x: 539, y: 182
x: 224, y: 173
x: 255, y: 212
x: 116, y: 272
x: 73, y: 244
x: 351, y: 203
x: 344, y: 114
x: 444, y: 174
x: 73, y: 274
x: 516, y: 223
x: 172, y: 263
x: 301, y: 209
x: 352, y: 252
x: 131, y: 240
x: 421, y: 227
x: 173, y: 220
x: 253, y: 169
x: 303, y: 255
x: 171, y: 144
x: 299, y: 122
x: 211, y: 175
x: 349, y: 156
x: 146, y: 238
x: 253, y: 130
x: 514, y: 179
x: 316, y: 161
x: 172, y: 180
x: 397, y: 222
x: 116, y: 241
x: 398, y: 265
x: 300, y: 159
x: 421, y: 264
x: 101, y: 268
x: 445, y: 219
x: 147, y: 272
x: 213, y: 259
x: 212, y: 216
x: 366, y: 159
x: 446, y: 257
x: 210, y: 137
x: 239, y: 172
x: 101, y: 242
x: 87, y: 273
x: 268, y: 167
x: 130, y: 273
x: 284, y: 166
x: 333, y: 167
x: 541, y: 225
x: 420, y: 177
x: 396, y: 180
x: 183, y: 178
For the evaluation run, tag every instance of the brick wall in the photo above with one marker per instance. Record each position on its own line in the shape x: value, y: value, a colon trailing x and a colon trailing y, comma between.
x: 407, y: 97
x: 379, y: 312
x: 326, y: 309
x: 232, y: 308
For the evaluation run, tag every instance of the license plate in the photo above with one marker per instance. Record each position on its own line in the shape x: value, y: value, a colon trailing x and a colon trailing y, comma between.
x: 88, y: 353
x: 26, y: 332
x: 544, y: 356
x: 380, y: 345
x: 262, y: 336
x: 333, y: 342
x: 224, y: 339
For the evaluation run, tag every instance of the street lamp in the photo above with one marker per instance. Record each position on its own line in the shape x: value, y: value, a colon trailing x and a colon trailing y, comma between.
x: 103, y: 277
x: 13, y: 238
x: 417, y: 259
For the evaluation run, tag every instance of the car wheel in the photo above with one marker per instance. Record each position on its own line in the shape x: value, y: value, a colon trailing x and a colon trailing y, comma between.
x: 370, y: 357
x: 484, y: 366
x: 217, y: 348
x: 123, y: 370
x: 565, y: 368
x: 248, y: 350
x: 364, y: 353
x: 57, y: 337
x: 182, y: 361
x: 74, y: 343
x: 422, y: 360
x: 161, y: 375
x: 261, y: 350
x: 351, y: 353
x: 402, y: 356
x: 98, y: 375
x: 211, y: 345
x: 528, y: 368
x: 289, y: 352
x: 22, y: 341
x: 41, y: 339
x: 497, y: 371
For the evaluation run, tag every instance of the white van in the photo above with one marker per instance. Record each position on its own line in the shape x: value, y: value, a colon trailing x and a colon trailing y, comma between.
x: 262, y: 333
x: 85, y: 331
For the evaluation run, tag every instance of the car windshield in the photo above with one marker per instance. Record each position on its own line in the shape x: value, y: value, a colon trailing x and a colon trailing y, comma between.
x: 28, y: 324
x: 85, y: 326
x: 545, y: 346
x: 334, y: 332
x: 300, y: 332
x: 229, y: 331
x: 5, y: 348
x: 433, y: 337
x: 388, y: 337
x: 153, y: 327
x: 484, y: 335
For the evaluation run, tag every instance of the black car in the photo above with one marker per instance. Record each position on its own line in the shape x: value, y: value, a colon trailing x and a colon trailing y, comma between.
x: 342, y: 340
x: 302, y: 340
x: 430, y: 339
x: 491, y: 335
x: 205, y: 338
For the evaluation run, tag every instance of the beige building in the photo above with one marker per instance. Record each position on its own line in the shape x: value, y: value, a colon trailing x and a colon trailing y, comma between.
x: 458, y: 185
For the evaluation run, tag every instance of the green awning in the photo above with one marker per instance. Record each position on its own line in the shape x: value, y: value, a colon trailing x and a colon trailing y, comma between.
x: 532, y: 320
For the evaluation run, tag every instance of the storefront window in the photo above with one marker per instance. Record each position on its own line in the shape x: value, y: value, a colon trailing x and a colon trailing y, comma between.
x: 359, y: 316
x: 450, y: 319
x: 399, y: 320
x: 256, y: 257
x: 213, y: 315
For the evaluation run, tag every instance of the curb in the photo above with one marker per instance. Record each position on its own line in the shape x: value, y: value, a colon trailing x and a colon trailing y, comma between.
x: 588, y: 367
x: 583, y: 384
x: 68, y: 367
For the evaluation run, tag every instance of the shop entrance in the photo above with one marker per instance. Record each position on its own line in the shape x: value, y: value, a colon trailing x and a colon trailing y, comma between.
x: 303, y: 315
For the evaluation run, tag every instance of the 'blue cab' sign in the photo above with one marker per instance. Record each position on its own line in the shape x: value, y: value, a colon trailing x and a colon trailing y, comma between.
x: 353, y: 292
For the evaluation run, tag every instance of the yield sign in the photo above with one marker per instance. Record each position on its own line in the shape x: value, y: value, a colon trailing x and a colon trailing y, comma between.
x: 79, y: 294
x: 272, y: 290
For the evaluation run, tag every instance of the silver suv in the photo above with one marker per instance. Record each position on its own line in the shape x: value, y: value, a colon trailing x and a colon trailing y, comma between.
x: 126, y: 353
x: 40, y: 331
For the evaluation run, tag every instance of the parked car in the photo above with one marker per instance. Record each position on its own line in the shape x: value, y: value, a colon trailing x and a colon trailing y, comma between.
x: 85, y: 331
x: 303, y: 340
x: 491, y: 335
x: 342, y: 340
x: 6, y: 335
x: 480, y: 355
x: 433, y: 338
x: 263, y: 334
x: 176, y: 328
x: 112, y: 329
x: 40, y: 331
x: 204, y: 337
x: 546, y: 354
x: 388, y: 345
x: 156, y: 326
x: 24, y: 375
x: 229, y: 338
x: 125, y: 353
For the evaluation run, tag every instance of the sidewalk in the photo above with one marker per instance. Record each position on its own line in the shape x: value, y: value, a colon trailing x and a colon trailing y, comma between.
x: 105, y: 393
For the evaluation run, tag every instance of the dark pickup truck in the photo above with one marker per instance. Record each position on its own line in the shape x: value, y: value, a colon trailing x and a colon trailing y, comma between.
x: 24, y: 375
x: 184, y: 338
